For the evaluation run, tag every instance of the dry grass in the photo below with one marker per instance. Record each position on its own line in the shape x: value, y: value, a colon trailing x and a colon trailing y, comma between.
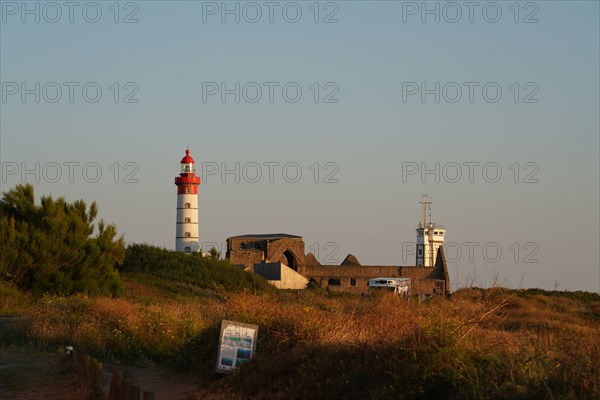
x: 479, y: 344
x: 12, y: 301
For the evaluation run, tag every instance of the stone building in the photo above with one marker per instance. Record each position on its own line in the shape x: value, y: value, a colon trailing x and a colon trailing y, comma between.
x: 251, y: 251
x: 248, y: 250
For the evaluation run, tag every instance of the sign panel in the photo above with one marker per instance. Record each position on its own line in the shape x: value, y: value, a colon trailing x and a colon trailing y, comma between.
x: 237, y: 345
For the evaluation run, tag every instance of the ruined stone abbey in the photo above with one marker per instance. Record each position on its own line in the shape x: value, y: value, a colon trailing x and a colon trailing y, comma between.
x: 281, y: 250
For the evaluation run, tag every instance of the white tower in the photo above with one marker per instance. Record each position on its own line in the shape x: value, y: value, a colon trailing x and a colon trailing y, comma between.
x: 186, y: 236
x: 430, y: 235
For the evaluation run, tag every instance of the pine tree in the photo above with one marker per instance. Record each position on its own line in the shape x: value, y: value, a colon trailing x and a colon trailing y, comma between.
x: 56, y: 247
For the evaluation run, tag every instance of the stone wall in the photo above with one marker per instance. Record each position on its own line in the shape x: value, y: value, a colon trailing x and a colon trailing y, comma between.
x: 247, y: 258
x: 356, y: 278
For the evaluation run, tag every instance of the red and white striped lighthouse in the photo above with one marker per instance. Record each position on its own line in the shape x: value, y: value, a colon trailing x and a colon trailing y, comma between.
x: 186, y: 236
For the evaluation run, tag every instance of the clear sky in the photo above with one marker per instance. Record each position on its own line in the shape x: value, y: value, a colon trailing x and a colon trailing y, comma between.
x: 389, y: 89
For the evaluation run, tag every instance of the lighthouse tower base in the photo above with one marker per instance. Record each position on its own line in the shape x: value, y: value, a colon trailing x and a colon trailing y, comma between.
x: 186, y: 238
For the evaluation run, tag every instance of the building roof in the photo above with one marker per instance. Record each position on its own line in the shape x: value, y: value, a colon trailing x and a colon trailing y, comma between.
x: 266, y: 236
x: 187, y: 159
x: 310, y: 259
x: 350, y: 260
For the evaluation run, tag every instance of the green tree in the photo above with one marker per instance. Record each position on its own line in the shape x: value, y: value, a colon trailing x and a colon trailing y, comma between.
x: 56, y: 247
x: 214, y: 253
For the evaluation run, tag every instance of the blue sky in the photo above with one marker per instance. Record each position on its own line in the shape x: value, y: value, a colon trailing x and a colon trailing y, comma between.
x: 542, y: 213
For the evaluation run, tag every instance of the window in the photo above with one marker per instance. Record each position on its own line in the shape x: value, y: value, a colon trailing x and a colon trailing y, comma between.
x: 420, y: 251
x: 352, y: 282
x: 188, y: 249
x: 334, y: 282
x: 188, y: 205
x: 187, y: 235
x: 187, y: 190
x: 187, y: 220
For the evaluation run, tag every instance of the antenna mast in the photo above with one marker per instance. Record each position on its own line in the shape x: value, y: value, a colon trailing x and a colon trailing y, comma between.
x: 425, y: 202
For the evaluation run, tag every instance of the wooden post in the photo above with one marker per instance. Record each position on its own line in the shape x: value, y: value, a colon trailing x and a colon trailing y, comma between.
x: 115, y: 386
x: 124, y: 389
x: 80, y: 369
x: 134, y: 392
x: 92, y: 374
x: 98, y: 384
x: 148, y: 396
x: 86, y: 375
x: 73, y: 357
x: 111, y: 389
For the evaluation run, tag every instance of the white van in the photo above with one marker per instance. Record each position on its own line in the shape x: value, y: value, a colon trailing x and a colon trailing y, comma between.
x: 398, y: 286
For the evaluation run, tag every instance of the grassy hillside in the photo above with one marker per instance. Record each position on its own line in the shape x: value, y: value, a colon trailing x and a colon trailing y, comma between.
x: 495, y: 344
x: 479, y: 344
x: 186, y: 275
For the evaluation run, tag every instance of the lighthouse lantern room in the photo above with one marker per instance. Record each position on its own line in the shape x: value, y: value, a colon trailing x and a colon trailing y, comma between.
x: 186, y: 233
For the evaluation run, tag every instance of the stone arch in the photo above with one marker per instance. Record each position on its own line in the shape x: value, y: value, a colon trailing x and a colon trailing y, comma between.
x: 290, y: 260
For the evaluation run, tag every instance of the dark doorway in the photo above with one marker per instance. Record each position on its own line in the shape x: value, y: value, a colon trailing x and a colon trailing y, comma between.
x: 334, y: 282
x: 290, y: 260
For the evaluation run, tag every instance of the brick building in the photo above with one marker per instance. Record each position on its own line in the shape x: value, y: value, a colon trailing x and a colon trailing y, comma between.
x: 350, y: 275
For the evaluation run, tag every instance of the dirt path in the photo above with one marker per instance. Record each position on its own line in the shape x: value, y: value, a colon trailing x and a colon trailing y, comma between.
x: 33, y: 376
x: 28, y: 375
x: 161, y: 381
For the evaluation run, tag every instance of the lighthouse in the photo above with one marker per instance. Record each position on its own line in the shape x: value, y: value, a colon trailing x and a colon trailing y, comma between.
x: 186, y: 232
x: 430, y: 236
